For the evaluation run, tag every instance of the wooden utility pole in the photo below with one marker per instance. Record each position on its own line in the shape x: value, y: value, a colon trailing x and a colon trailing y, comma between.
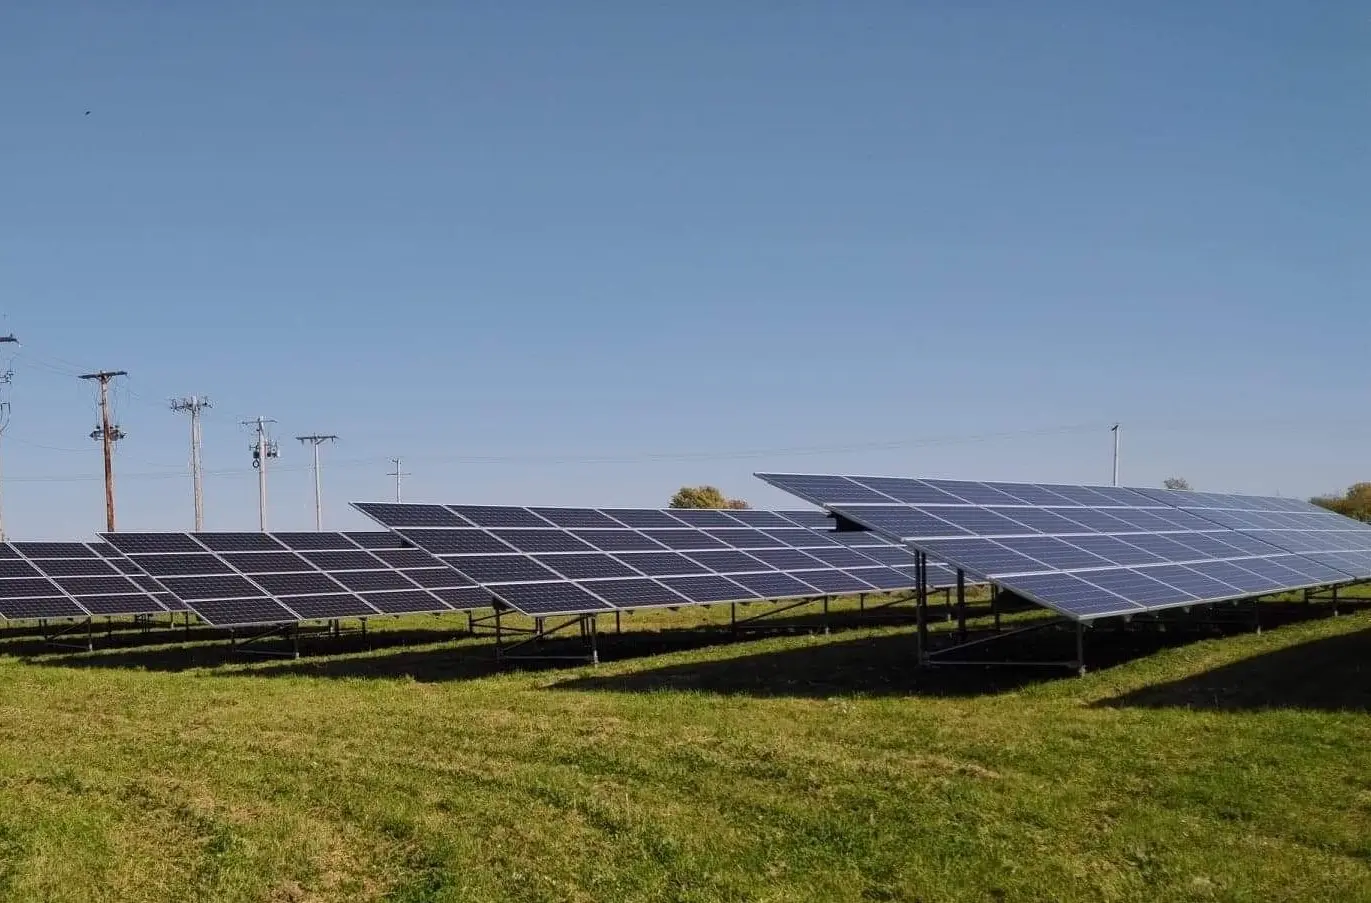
x: 107, y: 434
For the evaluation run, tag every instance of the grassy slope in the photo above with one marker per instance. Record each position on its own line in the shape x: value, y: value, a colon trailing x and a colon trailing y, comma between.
x: 800, y: 768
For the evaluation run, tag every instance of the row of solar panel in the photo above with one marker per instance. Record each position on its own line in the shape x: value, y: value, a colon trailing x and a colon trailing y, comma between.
x: 238, y: 579
x: 865, y: 490
x: 599, y: 560
x: 1090, y: 562
x: 232, y: 579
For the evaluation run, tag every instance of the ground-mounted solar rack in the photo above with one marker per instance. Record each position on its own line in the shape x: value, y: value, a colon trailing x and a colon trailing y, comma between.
x: 566, y: 567
x: 63, y: 587
x: 266, y: 585
x: 1095, y: 552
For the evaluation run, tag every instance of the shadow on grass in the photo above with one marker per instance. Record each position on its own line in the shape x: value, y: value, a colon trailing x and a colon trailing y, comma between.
x: 1327, y: 675
x: 870, y: 664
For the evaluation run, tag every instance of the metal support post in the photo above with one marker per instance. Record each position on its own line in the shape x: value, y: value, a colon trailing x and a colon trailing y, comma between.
x: 995, y: 605
x: 1335, y: 601
x: 594, y: 647
x: 921, y: 604
x: 1080, y: 648
x: 961, y: 604
x: 861, y: 603
x: 618, y: 622
x: 825, y: 621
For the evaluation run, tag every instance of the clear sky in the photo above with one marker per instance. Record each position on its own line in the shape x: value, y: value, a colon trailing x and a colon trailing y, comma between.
x: 584, y: 253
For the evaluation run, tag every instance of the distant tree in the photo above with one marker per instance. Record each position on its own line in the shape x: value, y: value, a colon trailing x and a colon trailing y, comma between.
x: 1355, y: 502
x: 704, y: 497
x: 1176, y: 483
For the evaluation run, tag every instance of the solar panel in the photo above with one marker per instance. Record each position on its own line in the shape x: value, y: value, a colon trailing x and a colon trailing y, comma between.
x: 1119, y: 546
x: 635, y: 556
x: 66, y: 580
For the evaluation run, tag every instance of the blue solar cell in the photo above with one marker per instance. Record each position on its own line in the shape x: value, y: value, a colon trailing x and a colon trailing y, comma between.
x: 787, y: 559
x: 904, y: 522
x: 1140, y: 519
x: 833, y: 581
x: 1074, y: 596
x: 1054, y: 553
x: 642, y: 518
x: 728, y: 561
x: 1032, y: 494
x: 542, y: 541
x: 745, y: 539
x: 1115, y: 550
x: 913, y: 491
x: 981, y: 556
x: 709, y: 588
x: 1234, y: 574
x: 1208, y: 544
x: 842, y: 557
x: 661, y: 564
x: 1121, y: 495
x: 883, y: 578
x: 500, y: 568
x: 773, y: 518
x: 585, y: 518
x: 1250, y: 544
x: 1165, y: 548
x: 801, y: 539
x: 1043, y: 520
x: 397, y: 515
x: 1192, y: 581
x: 982, y: 522
x: 242, y: 612
x: 544, y: 599
x: 973, y: 493
x: 238, y: 542
x: 1136, y: 586
x: 638, y: 592
x: 1292, y: 540
x: 684, y: 539
x: 457, y: 542
x: 1097, y: 520
x: 329, y: 607
x: 773, y: 585
x: 620, y: 540
x: 129, y: 543
x: 499, y: 516
x: 890, y: 555
x: 704, y: 517
x: 1083, y: 495
x: 577, y: 566
x: 812, y: 519
x: 829, y: 489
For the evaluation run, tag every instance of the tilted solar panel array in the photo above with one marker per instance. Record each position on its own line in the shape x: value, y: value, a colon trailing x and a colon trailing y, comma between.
x: 51, y: 580
x: 242, y: 579
x: 567, y: 561
x: 1097, y: 551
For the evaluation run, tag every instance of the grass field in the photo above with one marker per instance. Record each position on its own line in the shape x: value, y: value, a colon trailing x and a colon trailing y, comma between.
x: 804, y: 767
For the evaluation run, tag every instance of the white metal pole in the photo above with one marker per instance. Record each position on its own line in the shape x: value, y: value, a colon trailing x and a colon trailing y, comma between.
x: 1116, y: 454
x: 318, y: 500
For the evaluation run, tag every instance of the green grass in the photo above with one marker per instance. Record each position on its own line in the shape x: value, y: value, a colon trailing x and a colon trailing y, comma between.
x: 793, y: 768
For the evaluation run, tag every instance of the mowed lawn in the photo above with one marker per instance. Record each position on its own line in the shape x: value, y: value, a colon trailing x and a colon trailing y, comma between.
x: 793, y: 768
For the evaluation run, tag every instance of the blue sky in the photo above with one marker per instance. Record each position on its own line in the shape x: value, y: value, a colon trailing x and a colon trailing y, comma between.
x: 587, y: 253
